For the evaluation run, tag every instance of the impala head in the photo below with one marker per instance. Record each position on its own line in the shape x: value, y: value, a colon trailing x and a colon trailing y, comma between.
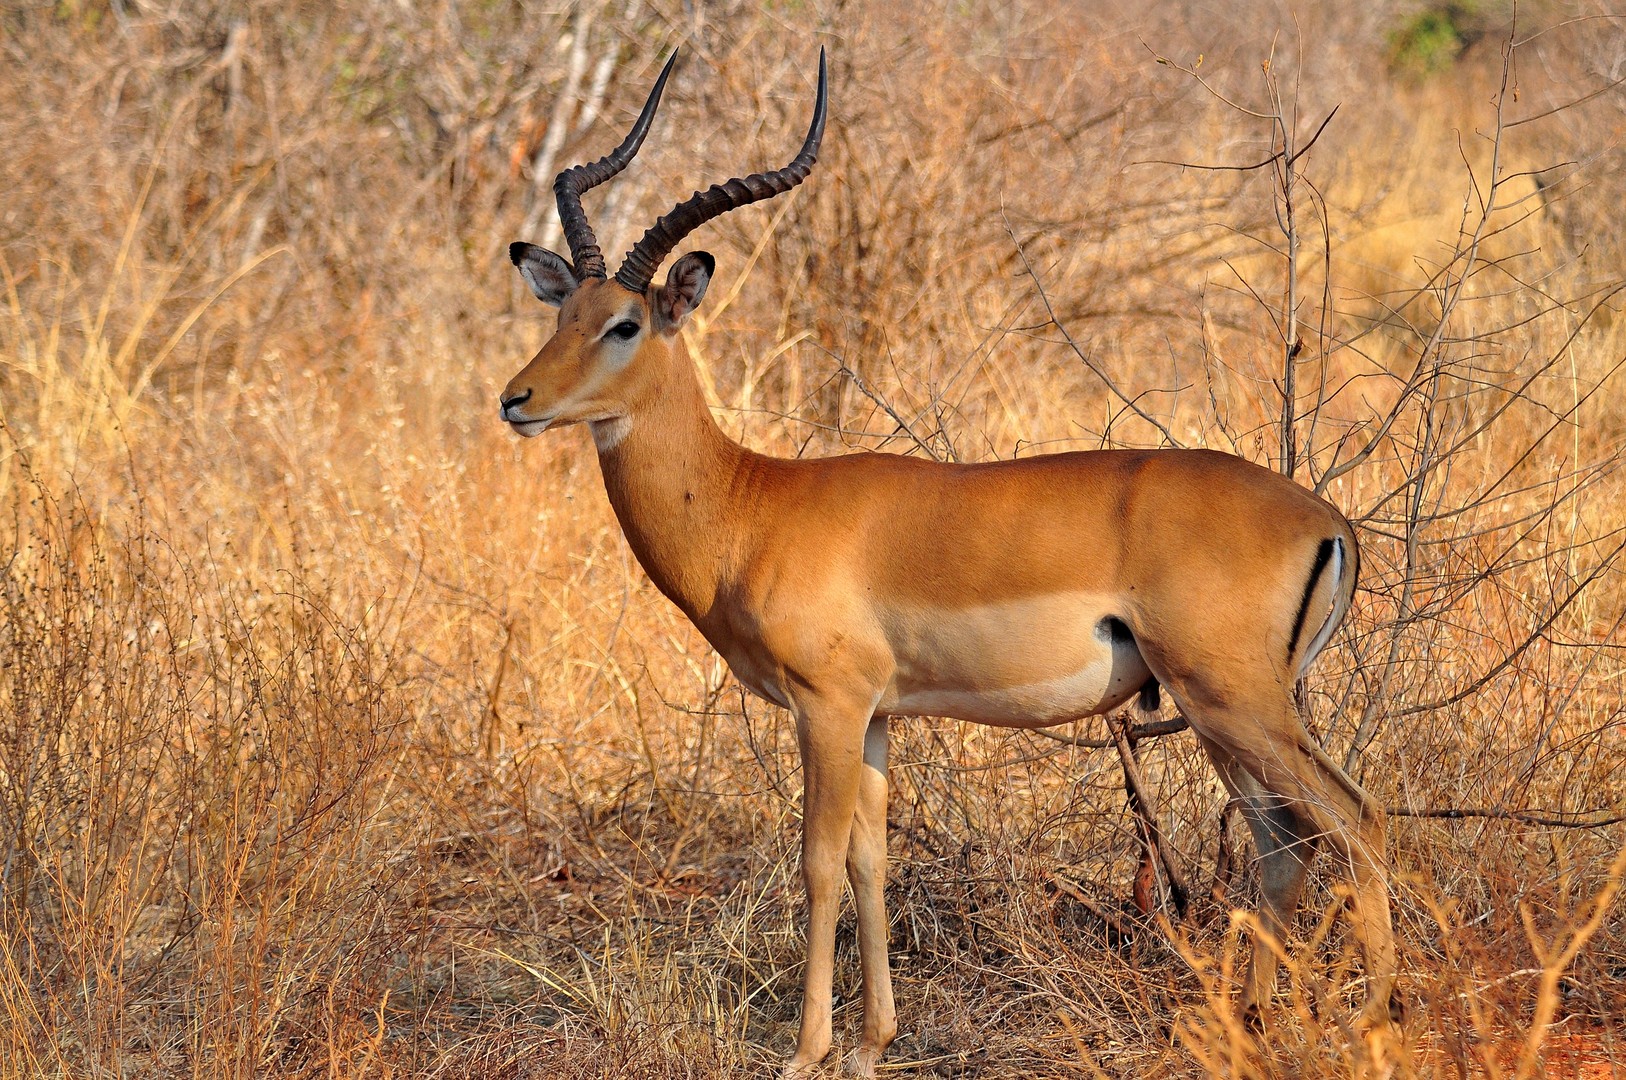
x: 614, y: 333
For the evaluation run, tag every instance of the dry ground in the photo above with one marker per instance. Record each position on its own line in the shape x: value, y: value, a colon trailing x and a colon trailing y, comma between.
x: 341, y: 736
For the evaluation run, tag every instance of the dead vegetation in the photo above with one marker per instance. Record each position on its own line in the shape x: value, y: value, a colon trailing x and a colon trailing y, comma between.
x: 340, y: 734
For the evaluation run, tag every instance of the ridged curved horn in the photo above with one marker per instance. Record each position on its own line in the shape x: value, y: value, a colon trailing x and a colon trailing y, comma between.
x: 648, y: 253
x: 569, y: 185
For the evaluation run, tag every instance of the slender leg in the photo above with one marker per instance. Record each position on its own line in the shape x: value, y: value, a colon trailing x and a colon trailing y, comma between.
x: 1338, y: 810
x: 1285, y: 845
x: 1352, y: 826
x: 866, y: 871
x: 1313, y: 799
x: 831, y: 735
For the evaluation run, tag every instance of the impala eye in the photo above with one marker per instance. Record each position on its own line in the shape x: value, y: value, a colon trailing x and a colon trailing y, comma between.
x: 626, y: 330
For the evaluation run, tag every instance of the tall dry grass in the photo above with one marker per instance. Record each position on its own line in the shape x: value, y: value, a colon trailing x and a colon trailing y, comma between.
x: 341, y: 735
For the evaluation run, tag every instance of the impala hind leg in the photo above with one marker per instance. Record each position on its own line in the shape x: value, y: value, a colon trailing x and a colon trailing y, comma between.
x: 1284, y: 844
x: 832, y: 739
x: 1354, y: 829
x: 866, y: 871
x: 1314, y: 800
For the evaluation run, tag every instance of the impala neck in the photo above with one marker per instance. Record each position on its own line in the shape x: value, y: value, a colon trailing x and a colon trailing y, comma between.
x: 671, y: 473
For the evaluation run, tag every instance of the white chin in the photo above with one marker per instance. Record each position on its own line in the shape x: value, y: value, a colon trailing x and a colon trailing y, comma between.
x: 529, y: 429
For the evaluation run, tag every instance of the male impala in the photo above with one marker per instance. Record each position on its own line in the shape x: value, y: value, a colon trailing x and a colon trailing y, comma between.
x: 1018, y: 593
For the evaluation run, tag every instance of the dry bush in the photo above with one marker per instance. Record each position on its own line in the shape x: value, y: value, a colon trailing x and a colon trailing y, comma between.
x: 341, y: 735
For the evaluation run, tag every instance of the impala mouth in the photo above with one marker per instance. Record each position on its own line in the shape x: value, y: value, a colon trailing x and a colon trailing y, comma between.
x: 529, y: 429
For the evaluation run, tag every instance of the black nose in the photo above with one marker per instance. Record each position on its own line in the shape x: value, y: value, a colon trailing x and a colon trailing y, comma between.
x: 514, y: 402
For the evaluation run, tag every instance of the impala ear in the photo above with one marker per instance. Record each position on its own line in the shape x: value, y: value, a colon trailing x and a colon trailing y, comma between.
x: 548, y: 275
x: 685, y: 285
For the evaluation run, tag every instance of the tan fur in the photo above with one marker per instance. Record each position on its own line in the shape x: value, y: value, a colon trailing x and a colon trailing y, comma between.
x: 845, y: 588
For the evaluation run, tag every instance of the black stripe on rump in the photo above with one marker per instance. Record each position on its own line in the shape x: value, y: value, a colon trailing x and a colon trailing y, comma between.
x: 1323, y: 555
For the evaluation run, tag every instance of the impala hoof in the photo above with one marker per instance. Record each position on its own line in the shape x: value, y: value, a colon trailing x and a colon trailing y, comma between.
x: 1380, y: 1017
x: 798, y: 1070
x: 1381, y: 1033
x: 861, y: 1062
x: 1383, y: 1051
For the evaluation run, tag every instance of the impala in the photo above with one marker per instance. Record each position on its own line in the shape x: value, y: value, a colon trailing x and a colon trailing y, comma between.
x: 1020, y: 593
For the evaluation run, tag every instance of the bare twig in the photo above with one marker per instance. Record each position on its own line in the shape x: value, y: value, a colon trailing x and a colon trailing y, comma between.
x: 1044, y: 297
x: 1136, y: 733
x: 1528, y: 817
x: 1143, y: 801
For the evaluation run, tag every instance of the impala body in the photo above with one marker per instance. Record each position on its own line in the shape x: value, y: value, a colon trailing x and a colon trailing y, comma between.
x: 1018, y: 621
x: 1018, y: 593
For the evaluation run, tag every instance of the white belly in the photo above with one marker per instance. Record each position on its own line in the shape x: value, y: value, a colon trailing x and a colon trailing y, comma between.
x: 1029, y: 663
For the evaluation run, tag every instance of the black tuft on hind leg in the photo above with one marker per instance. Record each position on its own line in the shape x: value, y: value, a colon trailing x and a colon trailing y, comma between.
x: 1150, y: 699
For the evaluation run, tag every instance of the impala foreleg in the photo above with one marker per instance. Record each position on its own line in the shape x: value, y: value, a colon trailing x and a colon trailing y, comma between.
x: 866, y: 871
x: 831, y: 736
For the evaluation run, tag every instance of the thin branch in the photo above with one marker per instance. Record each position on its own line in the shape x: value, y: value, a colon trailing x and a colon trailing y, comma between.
x: 1536, y: 634
x: 1136, y: 734
x: 1567, y: 105
x: 1143, y: 801
x: 1528, y: 817
x: 1271, y: 160
x: 1078, y: 351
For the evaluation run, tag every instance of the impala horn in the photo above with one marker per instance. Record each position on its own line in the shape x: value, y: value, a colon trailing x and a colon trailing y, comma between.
x: 569, y: 185
x: 648, y: 253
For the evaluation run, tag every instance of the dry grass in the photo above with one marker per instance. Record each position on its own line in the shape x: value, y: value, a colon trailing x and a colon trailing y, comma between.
x: 340, y: 735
